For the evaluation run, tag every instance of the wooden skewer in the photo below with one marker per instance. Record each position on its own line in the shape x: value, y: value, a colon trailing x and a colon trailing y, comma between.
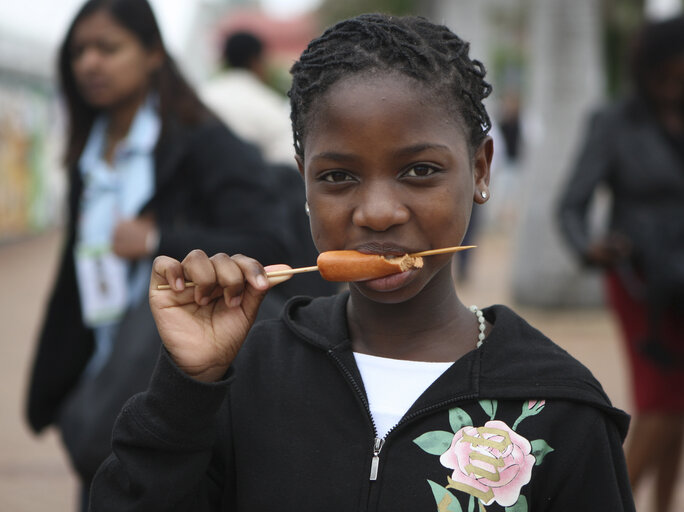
x: 444, y: 250
x: 291, y: 271
x: 301, y: 270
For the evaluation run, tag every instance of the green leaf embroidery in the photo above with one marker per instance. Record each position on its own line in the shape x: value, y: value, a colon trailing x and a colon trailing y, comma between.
x: 540, y: 449
x: 435, y: 442
x: 458, y: 419
x: 446, y: 502
x: 489, y: 407
x: 471, y: 503
x: 520, y: 505
x: 529, y: 408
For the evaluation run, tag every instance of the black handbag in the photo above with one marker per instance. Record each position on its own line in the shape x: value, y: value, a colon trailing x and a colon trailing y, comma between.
x: 88, y: 414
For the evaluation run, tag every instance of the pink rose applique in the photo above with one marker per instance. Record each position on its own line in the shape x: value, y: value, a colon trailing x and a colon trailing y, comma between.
x: 492, y: 463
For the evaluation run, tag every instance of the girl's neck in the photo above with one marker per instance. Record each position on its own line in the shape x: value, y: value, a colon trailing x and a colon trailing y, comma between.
x: 433, y: 326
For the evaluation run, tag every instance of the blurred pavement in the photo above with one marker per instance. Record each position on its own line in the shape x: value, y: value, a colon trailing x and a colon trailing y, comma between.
x: 34, y: 473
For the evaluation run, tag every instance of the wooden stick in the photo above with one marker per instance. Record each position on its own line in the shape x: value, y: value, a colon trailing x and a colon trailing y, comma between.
x: 444, y: 250
x: 188, y: 284
x: 291, y: 271
x: 301, y: 270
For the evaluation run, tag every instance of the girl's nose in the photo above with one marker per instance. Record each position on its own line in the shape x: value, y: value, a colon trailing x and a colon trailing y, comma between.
x: 380, y: 208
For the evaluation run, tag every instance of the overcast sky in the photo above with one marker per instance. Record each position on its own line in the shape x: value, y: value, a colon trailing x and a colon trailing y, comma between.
x: 47, y: 20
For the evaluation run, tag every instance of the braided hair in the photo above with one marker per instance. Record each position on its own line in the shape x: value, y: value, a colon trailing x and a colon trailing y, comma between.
x: 414, y: 46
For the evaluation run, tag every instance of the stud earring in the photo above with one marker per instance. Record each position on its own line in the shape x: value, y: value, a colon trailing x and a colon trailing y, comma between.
x: 306, y: 208
x: 484, y: 194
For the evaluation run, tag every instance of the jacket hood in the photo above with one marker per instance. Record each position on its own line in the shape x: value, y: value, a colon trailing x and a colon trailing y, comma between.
x: 516, y: 360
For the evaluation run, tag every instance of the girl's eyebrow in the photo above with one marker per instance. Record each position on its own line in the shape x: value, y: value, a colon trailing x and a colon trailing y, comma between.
x: 401, y: 152
x: 335, y: 156
x: 419, y: 148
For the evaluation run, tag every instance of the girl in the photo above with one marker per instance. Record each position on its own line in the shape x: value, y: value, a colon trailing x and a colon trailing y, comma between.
x: 377, y: 398
x: 151, y: 171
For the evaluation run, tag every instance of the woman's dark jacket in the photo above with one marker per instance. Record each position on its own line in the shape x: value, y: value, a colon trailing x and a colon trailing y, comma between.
x: 212, y: 192
x: 626, y: 151
x: 290, y: 429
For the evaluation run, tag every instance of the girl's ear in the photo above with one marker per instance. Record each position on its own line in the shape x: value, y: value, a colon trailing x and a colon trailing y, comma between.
x: 300, y: 164
x: 482, y: 162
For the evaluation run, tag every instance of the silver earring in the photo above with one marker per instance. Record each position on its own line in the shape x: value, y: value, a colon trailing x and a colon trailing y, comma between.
x: 484, y: 194
x: 306, y: 208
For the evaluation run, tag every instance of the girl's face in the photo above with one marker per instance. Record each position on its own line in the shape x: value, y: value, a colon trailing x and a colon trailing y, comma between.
x: 111, y: 67
x: 388, y: 171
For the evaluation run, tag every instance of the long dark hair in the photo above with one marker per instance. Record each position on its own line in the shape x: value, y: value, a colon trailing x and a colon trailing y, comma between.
x: 177, y: 99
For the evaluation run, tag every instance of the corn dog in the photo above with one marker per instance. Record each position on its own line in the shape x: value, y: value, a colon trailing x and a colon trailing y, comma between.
x: 351, y: 266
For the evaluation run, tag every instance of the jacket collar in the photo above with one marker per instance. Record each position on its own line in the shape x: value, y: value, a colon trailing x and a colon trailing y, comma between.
x: 516, y: 361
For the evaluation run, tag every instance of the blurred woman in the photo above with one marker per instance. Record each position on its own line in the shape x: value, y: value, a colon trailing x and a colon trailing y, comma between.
x: 636, y: 149
x: 151, y: 171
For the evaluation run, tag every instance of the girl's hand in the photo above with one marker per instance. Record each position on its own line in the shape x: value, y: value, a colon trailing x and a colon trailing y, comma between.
x: 203, y: 327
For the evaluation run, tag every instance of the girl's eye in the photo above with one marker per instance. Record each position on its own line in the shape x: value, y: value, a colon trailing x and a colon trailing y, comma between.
x: 336, y: 177
x: 420, y: 171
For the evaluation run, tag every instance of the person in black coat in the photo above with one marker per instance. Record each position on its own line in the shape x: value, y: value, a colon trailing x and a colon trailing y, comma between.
x: 151, y: 171
x: 635, y: 148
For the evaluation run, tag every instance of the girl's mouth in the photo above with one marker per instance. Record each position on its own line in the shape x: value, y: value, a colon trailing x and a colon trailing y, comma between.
x: 391, y: 282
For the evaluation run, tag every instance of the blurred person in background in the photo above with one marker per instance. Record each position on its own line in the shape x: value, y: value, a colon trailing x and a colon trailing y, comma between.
x: 636, y: 149
x: 239, y: 94
x: 508, y: 177
x: 151, y: 171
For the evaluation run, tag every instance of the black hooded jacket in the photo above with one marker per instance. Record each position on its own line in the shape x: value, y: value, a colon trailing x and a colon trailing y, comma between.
x: 517, y: 423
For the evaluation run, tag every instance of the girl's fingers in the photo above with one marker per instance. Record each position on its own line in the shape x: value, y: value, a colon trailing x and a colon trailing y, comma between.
x: 229, y: 277
x: 253, y: 272
x: 198, y: 268
x: 167, y: 270
x: 219, y: 275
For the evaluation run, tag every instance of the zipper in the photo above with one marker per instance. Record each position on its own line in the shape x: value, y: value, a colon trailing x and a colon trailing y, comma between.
x: 375, y: 462
x: 378, y: 442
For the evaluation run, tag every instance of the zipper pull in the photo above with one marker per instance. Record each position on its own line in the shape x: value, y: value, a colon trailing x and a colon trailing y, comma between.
x: 377, y: 446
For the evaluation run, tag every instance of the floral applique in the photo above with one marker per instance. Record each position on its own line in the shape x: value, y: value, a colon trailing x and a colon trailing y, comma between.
x: 491, y: 463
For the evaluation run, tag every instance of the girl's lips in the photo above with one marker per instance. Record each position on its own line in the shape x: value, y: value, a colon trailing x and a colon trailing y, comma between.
x: 389, y: 283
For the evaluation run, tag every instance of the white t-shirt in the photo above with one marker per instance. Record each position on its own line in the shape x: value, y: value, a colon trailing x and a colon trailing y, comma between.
x: 393, y: 385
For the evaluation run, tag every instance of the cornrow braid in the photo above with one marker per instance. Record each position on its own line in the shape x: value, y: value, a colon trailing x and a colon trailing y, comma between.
x: 430, y: 53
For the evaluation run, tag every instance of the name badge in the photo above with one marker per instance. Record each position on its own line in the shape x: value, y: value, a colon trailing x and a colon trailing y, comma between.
x: 102, y: 279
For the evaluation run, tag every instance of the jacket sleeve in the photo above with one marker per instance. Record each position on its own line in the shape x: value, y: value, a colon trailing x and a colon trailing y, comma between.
x: 164, y: 448
x: 592, y: 166
x: 231, y: 203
